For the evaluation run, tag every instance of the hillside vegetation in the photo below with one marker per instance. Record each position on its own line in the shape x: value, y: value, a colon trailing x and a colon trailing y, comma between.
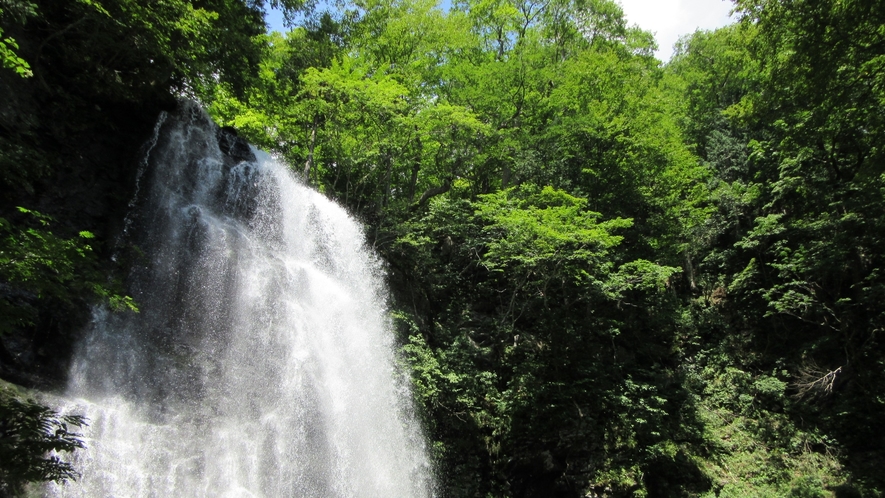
x: 609, y: 276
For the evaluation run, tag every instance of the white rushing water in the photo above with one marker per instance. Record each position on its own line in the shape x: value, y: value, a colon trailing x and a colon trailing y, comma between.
x: 261, y: 362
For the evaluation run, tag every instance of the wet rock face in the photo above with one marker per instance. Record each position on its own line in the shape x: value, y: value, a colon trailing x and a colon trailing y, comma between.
x: 233, y: 145
x: 39, y: 356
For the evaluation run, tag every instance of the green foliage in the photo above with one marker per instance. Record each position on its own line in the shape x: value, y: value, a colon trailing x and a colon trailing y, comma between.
x: 752, y: 447
x: 773, y: 106
x: 533, y: 231
x: 19, y: 10
x: 10, y: 60
x: 610, y: 277
x: 527, y: 296
x: 186, y: 44
x: 43, y: 266
x: 33, y: 439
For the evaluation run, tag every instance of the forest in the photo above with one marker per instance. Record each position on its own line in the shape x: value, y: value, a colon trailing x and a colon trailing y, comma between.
x: 609, y: 276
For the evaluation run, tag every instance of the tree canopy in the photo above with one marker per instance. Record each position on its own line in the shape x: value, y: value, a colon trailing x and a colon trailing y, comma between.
x: 610, y: 276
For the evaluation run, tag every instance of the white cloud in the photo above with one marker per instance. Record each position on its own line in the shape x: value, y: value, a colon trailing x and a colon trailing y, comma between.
x: 670, y: 19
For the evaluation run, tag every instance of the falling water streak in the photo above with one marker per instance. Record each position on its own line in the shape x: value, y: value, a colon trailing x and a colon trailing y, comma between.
x: 261, y: 363
x: 142, y: 166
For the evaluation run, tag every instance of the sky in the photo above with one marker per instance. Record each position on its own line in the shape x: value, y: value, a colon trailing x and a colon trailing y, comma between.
x: 670, y: 19
x: 667, y: 19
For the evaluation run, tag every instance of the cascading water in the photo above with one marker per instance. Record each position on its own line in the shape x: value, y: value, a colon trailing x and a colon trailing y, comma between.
x: 261, y: 362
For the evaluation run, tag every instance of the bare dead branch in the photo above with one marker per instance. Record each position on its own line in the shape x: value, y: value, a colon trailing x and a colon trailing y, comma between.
x: 814, y: 381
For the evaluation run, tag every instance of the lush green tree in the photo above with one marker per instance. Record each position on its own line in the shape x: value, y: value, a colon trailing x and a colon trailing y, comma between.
x: 524, y: 298
x: 817, y: 240
x: 785, y: 111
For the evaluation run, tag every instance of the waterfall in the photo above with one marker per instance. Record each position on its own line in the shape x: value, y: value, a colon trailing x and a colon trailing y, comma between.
x: 261, y: 362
